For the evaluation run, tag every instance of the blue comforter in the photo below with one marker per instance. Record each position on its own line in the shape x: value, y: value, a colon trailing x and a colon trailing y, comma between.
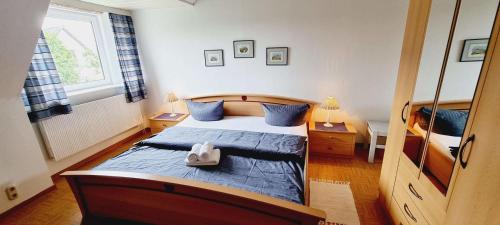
x: 233, y: 142
x: 270, y: 164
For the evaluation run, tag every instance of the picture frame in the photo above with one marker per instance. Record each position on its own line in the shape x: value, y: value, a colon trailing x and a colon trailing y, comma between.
x: 214, y: 57
x: 244, y: 49
x: 474, y: 50
x: 277, y: 56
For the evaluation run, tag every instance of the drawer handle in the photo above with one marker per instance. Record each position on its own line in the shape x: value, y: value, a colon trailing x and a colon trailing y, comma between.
x: 408, y: 212
x: 462, y: 149
x: 414, y: 192
x: 164, y: 125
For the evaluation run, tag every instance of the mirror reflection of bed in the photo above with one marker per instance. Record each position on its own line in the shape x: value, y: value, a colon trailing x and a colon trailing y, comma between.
x: 444, y: 139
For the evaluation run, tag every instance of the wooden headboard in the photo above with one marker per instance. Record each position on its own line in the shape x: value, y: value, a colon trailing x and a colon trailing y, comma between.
x: 250, y: 105
x: 463, y: 105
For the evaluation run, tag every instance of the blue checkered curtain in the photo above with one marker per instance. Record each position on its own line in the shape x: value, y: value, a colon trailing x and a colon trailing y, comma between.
x: 126, y: 46
x: 43, y: 93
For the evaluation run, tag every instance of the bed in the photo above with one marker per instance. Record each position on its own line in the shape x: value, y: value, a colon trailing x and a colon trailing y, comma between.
x: 260, y: 180
x: 439, y: 161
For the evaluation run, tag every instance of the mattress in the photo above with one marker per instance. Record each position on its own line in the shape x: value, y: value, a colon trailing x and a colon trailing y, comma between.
x: 245, y: 123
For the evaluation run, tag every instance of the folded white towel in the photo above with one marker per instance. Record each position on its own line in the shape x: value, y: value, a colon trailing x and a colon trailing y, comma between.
x: 206, y: 151
x: 212, y: 161
x: 193, y: 155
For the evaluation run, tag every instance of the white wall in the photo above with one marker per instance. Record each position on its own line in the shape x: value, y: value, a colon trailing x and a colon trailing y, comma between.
x: 475, y: 21
x: 347, y: 49
x: 21, y: 160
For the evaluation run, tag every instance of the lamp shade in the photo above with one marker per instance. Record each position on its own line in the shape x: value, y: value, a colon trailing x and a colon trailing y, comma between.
x: 170, y: 97
x: 330, y: 103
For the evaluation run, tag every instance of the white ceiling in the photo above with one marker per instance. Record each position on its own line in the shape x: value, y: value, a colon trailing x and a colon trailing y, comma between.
x: 142, y: 4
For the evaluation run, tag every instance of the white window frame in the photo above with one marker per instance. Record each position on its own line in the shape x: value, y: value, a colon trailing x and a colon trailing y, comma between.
x: 106, y: 48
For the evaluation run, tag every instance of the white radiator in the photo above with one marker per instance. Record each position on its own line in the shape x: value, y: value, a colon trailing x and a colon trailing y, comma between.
x: 89, y: 124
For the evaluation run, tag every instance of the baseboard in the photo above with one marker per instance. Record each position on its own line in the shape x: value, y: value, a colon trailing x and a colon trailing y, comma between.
x: 79, y: 164
x: 27, y: 201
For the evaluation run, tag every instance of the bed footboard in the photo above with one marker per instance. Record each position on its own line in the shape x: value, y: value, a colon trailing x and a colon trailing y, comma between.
x: 132, y: 198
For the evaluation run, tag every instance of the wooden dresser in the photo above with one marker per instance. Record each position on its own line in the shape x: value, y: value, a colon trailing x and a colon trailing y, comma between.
x: 337, y: 141
x: 160, y: 121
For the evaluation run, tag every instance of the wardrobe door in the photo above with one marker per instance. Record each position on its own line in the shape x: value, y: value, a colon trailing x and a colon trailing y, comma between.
x: 416, y: 23
x: 475, y: 198
x: 459, y: 78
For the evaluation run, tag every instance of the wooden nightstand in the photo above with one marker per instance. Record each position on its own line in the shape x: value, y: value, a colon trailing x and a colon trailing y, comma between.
x: 336, y: 141
x: 160, y: 121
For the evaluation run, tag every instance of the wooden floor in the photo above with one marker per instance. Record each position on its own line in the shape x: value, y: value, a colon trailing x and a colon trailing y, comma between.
x: 363, y: 178
x: 58, y: 207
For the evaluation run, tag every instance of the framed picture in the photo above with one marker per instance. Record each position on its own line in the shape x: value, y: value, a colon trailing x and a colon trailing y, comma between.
x: 243, y: 49
x: 474, y: 50
x: 277, y: 56
x: 214, y: 57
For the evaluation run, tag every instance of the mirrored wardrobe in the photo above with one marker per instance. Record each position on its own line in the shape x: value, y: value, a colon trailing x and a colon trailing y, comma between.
x: 446, y: 43
x: 452, y: 57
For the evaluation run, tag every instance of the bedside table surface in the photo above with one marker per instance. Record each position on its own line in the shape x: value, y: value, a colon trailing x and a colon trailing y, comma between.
x: 165, y: 117
x: 158, y: 124
x: 350, y: 128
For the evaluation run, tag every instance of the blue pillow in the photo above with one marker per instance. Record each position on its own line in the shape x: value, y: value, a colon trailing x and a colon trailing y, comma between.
x: 210, y: 111
x: 285, y: 115
x: 449, y: 122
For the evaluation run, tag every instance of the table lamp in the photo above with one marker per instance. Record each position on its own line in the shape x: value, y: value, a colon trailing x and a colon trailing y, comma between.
x: 171, y: 98
x: 329, y: 105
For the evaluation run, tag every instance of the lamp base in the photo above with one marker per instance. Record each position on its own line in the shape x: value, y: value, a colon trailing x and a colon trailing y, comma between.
x: 173, y: 114
x: 328, y: 124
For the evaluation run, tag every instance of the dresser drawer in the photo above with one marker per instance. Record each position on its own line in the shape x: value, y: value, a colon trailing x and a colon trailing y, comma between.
x: 409, y: 209
x: 431, y: 208
x: 157, y: 126
x: 341, y: 144
x: 397, y: 214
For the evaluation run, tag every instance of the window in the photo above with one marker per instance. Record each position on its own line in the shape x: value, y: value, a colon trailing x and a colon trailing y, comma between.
x: 81, y: 48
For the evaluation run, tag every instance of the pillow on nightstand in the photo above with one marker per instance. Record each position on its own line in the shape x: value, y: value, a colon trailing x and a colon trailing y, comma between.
x: 210, y: 111
x: 285, y: 115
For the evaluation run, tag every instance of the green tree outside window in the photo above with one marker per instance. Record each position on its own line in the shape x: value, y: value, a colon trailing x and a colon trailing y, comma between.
x: 65, y: 60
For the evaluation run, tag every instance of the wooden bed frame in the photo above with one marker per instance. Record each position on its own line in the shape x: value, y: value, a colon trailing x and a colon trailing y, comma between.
x: 107, y: 197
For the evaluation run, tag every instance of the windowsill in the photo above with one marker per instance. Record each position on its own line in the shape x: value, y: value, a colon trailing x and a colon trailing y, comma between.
x: 92, y: 94
x: 94, y: 89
